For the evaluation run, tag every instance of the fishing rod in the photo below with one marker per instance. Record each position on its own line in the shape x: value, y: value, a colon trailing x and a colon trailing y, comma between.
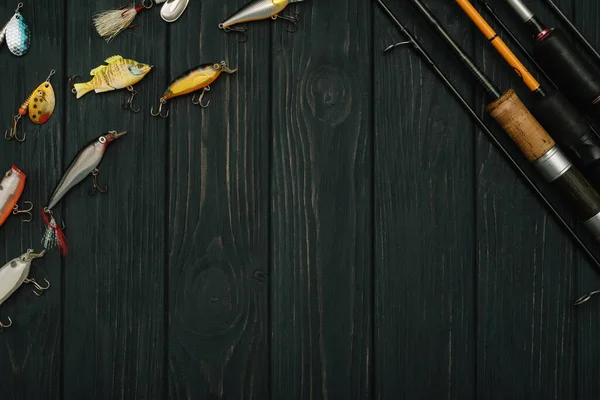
x: 529, y: 136
x: 551, y: 109
x: 572, y: 72
x: 574, y: 29
x: 450, y: 86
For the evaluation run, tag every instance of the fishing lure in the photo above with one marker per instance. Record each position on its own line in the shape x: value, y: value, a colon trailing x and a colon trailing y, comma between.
x: 197, y: 78
x: 110, y: 23
x: 40, y: 105
x: 16, y: 33
x: 258, y: 10
x: 85, y: 163
x: 11, y: 189
x: 173, y: 9
x: 119, y: 73
x: 15, y: 273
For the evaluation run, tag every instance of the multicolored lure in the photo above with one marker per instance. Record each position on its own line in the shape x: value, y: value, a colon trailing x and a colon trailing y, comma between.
x: 15, y: 273
x: 197, y: 78
x: 11, y: 189
x: 40, y: 105
x: 258, y: 10
x: 119, y: 73
x: 85, y: 163
x: 16, y: 33
x: 110, y: 23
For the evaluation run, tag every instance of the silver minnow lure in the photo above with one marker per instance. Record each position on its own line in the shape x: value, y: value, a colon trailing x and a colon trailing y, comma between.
x: 85, y: 163
x: 257, y: 10
x: 16, y: 272
x: 16, y: 33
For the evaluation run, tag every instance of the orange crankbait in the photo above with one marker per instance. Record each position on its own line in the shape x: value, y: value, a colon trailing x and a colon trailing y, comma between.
x: 40, y: 105
x: 197, y: 78
x: 11, y: 188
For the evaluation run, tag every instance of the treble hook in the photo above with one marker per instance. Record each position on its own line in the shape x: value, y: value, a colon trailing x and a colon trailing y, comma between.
x: 72, y: 82
x: 292, y: 19
x: 390, y: 47
x: 40, y: 289
x: 2, y: 326
x: 586, y: 298
x: 129, y: 102
x: 96, y: 186
x: 237, y: 29
x: 16, y: 211
x: 10, y: 134
x: 159, y: 113
x: 199, y: 102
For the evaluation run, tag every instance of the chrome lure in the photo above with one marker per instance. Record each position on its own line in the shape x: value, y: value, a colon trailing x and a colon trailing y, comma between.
x: 197, y: 78
x: 85, y: 163
x: 16, y: 33
x: 15, y: 273
x: 173, y: 9
x: 258, y: 10
x: 11, y: 188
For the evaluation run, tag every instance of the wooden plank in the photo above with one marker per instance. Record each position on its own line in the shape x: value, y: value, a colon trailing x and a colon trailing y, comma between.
x: 424, y: 234
x: 113, y: 284
x: 218, y: 219
x: 526, y: 274
x: 585, y: 16
x: 30, y: 353
x: 321, y: 204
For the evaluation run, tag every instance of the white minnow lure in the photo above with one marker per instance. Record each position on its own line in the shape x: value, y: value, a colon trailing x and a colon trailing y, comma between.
x: 15, y: 273
x: 85, y: 163
x: 16, y: 33
x: 258, y: 10
x: 173, y: 9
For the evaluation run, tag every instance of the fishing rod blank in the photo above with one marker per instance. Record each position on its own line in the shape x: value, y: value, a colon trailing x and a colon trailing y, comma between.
x: 552, y: 109
x: 499, y: 21
x: 530, y: 137
x: 571, y: 71
x: 427, y: 58
x: 574, y: 29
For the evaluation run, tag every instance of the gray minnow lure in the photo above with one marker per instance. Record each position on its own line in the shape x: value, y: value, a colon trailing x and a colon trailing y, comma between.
x: 172, y: 10
x: 16, y: 33
x: 258, y: 10
x: 85, y: 163
x: 15, y: 273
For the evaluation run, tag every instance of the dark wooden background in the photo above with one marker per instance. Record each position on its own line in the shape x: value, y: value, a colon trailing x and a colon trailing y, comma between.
x: 333, y: 226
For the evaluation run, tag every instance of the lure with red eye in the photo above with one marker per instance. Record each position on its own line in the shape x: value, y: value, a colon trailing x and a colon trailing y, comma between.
x: 11, y: 188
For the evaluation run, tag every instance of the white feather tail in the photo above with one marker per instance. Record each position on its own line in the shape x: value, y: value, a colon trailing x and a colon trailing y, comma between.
x: 110, y: 23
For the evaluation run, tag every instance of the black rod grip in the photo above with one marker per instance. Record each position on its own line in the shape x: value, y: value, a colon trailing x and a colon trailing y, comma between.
x: 572, y: 132
x: 579, y: 191
x: 575, y: 76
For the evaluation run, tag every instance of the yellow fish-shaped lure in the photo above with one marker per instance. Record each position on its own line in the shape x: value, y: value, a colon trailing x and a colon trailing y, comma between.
x: 119, y: 73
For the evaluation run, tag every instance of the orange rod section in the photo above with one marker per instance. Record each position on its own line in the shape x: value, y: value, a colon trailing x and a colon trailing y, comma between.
x: 499, y: 44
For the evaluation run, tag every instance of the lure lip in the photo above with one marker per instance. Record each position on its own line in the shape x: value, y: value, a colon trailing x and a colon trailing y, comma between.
x: 114, y: 135
x: 229, y: 70
x: 17, y: 170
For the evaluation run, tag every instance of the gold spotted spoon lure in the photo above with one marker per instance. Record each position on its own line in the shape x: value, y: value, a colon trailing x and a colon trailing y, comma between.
x: 40, y: 106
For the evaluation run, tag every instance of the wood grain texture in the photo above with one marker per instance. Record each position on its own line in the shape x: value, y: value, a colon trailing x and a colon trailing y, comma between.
x: 30, y: 352
x: 218, y: 218
x: 424, y: 260
x: 113, y: 284
x: 526, y: 275
x: 321, y: 205
x: 585, y: 16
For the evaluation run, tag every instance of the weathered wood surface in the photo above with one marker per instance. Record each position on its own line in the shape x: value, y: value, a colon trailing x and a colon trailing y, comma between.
x: 332, y: 226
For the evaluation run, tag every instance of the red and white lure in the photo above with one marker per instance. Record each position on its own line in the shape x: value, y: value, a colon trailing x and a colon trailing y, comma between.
x: 110, y: 23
